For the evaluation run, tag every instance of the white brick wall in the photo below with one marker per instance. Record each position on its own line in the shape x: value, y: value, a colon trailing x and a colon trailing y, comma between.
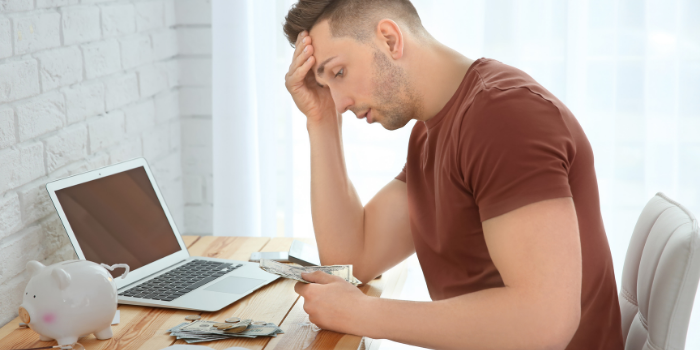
x: 18, y: 79
x: 85, y: 84
x: 5, y: 38
x: 118, y: 19
x: 36, y: 31
x: 194, y: 39
x: 60, y: 67
x: 80, y: 24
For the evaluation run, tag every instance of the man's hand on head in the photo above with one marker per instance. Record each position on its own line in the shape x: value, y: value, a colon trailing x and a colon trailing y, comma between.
x: 313, y: 100
x: 331, y: 302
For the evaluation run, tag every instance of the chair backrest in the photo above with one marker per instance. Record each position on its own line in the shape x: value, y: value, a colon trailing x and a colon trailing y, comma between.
x: 660, y: 277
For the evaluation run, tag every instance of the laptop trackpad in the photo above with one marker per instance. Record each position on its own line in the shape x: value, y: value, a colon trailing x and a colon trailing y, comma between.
x: 235, y: 285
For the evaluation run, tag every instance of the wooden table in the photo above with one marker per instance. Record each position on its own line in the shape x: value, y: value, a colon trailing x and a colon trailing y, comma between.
x: 145, y: 327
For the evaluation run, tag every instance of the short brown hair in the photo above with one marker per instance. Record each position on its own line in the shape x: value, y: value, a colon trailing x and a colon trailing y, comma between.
x: 354, y: 18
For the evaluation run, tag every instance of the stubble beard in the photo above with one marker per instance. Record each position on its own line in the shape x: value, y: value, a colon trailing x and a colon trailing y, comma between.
x: 396, y: 101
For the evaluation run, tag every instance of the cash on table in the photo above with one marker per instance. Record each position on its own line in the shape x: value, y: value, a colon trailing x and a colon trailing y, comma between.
x: 294, y: 272
x: 203, y: 331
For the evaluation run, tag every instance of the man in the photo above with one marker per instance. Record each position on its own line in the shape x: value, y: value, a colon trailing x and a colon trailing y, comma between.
x: 498, y: 197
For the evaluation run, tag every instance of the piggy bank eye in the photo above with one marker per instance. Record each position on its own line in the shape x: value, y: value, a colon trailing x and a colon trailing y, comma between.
x: 35, y: 297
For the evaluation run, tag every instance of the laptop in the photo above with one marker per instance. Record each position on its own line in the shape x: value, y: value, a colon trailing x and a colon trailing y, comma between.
x: 117, y: 215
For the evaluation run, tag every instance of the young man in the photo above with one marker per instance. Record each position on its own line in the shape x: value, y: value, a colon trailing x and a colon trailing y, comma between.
x: 498, y: 197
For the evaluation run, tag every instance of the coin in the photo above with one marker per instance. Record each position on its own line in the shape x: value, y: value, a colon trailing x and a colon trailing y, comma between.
x: 233, y: 320
x: 239, y: 327
x: 193, y: 317
x: 259, y: 323
x: 223, y: 326
x: 236, y: 329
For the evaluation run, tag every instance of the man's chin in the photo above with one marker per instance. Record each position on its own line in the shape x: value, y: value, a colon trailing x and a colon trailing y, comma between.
x: 394, y: 125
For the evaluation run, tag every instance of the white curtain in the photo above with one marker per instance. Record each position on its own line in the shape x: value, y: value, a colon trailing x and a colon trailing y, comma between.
x: 247, y: 105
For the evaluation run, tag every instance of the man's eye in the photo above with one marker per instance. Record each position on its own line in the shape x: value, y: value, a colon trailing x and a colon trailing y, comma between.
x: 340, y: 72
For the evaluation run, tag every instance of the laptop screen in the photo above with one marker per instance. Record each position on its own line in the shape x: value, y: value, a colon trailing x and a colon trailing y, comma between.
x: 118, y: 219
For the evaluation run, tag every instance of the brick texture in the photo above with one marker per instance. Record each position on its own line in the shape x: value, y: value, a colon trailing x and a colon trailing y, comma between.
x: 149, y: 15
x: 60, y: 67
x: 16, y: 5
x: 84, y: 101
x: 121, y: 90
x: 18, y: 79
x: 89, y: 83
x: 140, y: 116
x: 101, y: 58
x: 118, y: 19
x: 36, y: 32
x: 106, y: 130
x: 194, y: 78
x: 41, y: 115
x: 5, y: 38
x: 80, y: 24
x: 136, y: 50
x: 7, y: 127
x: 67, y: 146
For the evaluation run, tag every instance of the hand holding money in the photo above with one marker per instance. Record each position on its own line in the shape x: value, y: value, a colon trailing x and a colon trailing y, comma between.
x: 294, y: 272
x: 333, y: 304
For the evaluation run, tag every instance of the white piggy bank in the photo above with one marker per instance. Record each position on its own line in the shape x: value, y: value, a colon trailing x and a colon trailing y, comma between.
x: 70, y: 299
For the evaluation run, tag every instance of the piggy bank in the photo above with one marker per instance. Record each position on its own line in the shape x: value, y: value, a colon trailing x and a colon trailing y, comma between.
x: 70, y: 299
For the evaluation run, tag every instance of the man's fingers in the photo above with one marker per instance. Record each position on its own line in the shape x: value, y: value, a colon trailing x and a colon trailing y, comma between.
x: 302, y: 40
x: 299, y: 60
x: 301, y: 288
x: 319, y: 277
x: 300, y: 74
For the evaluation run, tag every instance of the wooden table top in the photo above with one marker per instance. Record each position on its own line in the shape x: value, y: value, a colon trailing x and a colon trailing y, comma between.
x: 145, y: 327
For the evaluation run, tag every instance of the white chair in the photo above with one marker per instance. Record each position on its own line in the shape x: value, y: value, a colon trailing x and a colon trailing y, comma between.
x: 660, y: 277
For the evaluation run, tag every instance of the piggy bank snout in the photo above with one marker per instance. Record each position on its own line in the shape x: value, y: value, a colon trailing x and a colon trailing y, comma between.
x: 24, y: 315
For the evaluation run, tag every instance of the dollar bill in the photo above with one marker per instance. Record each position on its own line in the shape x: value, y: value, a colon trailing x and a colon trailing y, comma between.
x: 207, y: 329
x: 294, y: 272
x: 178, y: 327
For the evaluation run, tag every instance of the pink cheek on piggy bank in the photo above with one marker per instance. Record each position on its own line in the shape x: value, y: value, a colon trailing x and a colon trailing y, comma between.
x: 49, y: 317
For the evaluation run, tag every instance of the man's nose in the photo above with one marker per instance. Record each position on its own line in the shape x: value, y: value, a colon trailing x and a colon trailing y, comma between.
x: 342, y: 102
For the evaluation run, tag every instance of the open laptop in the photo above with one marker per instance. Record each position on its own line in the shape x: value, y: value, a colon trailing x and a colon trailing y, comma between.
x: 117, y: 215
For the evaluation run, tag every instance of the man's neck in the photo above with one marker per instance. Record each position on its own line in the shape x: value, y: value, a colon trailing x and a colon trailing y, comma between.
x: 438, y: 72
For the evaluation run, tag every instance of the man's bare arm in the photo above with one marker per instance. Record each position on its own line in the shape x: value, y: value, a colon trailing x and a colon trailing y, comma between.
x: 537, y: 251
x: 372, y: 238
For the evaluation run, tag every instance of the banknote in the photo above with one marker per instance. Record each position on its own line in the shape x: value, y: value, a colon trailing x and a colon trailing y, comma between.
x: 178, y: 326
x: 205, y: 331
x: 294, y: 272
x: 206, y: 328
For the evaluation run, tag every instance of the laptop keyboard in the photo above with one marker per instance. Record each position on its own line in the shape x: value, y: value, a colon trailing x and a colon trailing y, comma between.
x: 180, y: 281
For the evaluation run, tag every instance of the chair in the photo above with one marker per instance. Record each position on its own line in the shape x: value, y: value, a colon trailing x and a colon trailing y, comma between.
x: 660, y: 277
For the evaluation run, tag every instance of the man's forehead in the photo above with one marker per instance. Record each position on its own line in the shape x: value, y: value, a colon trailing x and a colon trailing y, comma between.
x: 323, y: 43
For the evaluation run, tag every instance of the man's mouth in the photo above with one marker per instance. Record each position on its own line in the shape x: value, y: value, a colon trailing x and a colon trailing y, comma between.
x: 367, y: 115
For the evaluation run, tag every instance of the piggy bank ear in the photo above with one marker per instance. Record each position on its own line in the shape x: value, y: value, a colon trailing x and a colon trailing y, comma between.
x: 34, y: 267
x: 62, y: 277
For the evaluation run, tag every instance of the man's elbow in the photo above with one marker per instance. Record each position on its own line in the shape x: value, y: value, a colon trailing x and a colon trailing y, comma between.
x: 557, y: 331
x: 364, y: 274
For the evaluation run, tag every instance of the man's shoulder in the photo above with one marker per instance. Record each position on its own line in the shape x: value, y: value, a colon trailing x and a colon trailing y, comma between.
x: 494, y: 74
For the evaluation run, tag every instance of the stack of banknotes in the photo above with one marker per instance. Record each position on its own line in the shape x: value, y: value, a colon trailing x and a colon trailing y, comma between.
x: 203, y: 331
x: 294, y: 272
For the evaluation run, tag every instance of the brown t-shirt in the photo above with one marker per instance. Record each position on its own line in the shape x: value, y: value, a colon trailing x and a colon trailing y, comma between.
x: 503, y: 141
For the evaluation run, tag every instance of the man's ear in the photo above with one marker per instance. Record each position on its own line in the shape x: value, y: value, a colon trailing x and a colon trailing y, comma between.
x: 391, y: 36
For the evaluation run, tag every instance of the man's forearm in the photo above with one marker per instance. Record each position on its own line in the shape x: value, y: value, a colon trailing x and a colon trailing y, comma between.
x: 337, y: 212
x: 497, y: 318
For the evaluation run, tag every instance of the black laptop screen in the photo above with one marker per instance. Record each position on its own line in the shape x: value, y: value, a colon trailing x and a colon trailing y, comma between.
x: 118, y: 219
